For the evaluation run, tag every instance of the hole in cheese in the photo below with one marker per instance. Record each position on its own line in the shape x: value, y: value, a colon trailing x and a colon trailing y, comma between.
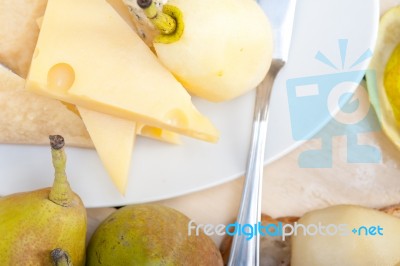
x: 176, y: 117
x: 60, y: 77
x: 151, y: 131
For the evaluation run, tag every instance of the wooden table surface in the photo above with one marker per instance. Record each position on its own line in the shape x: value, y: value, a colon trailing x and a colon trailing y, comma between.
x: 289, y: 189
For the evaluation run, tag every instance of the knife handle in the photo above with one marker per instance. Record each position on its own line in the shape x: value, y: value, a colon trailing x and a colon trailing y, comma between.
x: 245, y: 248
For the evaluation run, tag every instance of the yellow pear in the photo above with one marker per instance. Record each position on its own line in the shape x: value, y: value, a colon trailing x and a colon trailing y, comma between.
x: 218, y: 50
x: 345, y: 235
x: 34, y: 223
x: 384, y: 81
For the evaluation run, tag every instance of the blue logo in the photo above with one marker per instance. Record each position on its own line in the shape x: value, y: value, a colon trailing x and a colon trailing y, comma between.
x: 328, y: 100
x: 282, y: 230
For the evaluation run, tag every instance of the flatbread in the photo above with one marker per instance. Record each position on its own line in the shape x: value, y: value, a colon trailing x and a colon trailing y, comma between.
x: 19, y: 32
x: 27, y: 118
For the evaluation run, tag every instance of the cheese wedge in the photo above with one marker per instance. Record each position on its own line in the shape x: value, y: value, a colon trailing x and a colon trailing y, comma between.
x: 113, y: 139
x: 88, y: 55
x: 115, y: 146
x: 141, y: 129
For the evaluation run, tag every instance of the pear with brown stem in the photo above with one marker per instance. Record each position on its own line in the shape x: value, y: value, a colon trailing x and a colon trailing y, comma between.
x: 33, y: 224
x: 218, y: 50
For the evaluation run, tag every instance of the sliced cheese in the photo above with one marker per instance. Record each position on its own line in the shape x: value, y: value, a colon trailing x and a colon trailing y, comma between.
x: 113, y: 139
x: 89, y: 56
x: 141, y: 129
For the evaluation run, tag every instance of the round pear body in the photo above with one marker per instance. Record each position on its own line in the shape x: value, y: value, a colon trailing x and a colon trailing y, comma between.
x: 392, y: 81
x: 225, y: 49
x: 384, y: 81
x: 31, y: 226
x: 149, y: 234
x: 346, y: 235
x: 46, y: 226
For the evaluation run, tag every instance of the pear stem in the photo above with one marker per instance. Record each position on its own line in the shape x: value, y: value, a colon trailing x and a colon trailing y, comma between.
x: 61, y: 192
x: 163, y: 22
x: 60, y: 257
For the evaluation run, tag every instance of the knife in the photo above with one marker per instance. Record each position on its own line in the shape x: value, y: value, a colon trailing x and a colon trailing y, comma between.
x: 243, y: 251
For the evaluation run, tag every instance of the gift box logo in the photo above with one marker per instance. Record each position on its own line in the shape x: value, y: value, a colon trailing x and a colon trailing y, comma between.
x: 314, y: 101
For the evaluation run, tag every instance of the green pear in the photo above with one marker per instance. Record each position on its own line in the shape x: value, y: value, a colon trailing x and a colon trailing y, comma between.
x: 34, y: 223
x: 149, y: 234
x: 218, y: 50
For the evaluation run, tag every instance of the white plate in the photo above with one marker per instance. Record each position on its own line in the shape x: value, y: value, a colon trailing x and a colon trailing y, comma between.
x: 161, y: 171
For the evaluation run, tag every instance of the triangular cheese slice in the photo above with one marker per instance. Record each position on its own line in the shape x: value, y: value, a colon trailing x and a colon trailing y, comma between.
x: 89, y: 56
x: 143, y: 130
x: 115, y: 146
x: 113, y: 139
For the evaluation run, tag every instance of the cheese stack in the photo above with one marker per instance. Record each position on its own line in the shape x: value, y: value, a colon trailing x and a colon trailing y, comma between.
x: 88, y: 55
